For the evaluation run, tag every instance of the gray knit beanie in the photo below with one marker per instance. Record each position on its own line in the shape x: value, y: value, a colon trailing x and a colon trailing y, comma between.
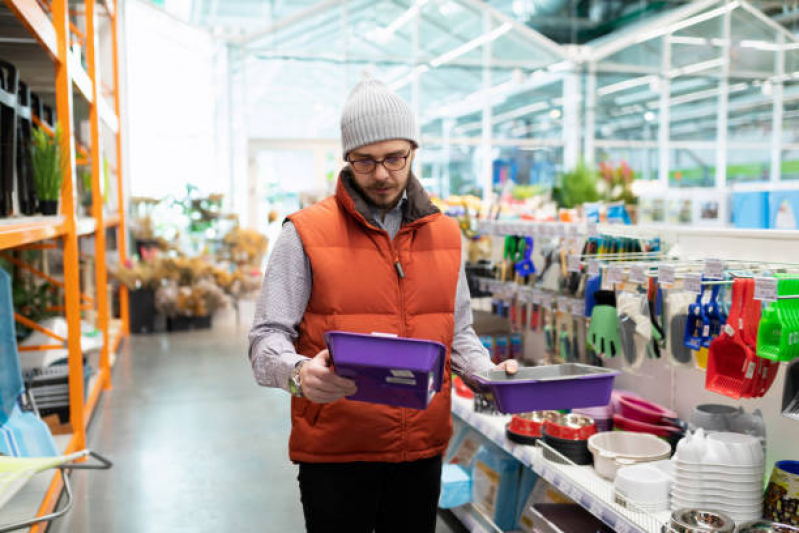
x: 374, y: 113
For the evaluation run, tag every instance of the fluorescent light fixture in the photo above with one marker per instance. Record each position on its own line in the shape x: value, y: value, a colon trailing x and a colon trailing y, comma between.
x: 554, y: 114
x: 697, y: 67
x: 624, y: 85
x: 760, y: 45
x: 649, y: 116
x: 502, y: 117
x: 677, y: 26
x: 791, y: 46
x: 384, y: 34
x: 471, y: 45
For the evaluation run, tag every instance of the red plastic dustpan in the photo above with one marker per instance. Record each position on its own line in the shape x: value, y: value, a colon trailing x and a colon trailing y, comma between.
x: 731, y: 366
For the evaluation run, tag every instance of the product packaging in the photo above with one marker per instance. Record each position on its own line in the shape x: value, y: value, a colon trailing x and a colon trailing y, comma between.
x: 456, y: 487
x: 495, y: 485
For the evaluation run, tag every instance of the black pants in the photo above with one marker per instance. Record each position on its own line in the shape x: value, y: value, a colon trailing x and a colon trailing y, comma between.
x: 367, y: 497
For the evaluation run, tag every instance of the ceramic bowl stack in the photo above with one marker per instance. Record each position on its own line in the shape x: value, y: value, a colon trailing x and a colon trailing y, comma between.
x: 645, y: 485
x: 722, y: 471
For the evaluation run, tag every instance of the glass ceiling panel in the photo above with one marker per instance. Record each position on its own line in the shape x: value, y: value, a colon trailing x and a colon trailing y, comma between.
x: 514, y: 46
x: 647, y: 53
x: 448, y: 25
x: 754, y: 43
x: 751, y: 107
x: 694, y: 108
x: 536, y: 113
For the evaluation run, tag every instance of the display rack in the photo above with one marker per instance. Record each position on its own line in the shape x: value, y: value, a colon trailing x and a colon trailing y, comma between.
x: 50, y: 61
x: 581, y: 483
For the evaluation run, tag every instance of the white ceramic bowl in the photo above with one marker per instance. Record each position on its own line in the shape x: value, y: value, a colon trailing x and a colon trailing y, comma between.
x: 742, y: 497
x: 729, y: 508
x: 643, y: 483
x: 719, y: 449
x: 702, y: 483
x: 615, y: 449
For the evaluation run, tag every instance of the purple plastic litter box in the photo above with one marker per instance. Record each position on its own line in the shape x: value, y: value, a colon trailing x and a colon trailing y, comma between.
x: 388, y: 370
x: 552, y: 387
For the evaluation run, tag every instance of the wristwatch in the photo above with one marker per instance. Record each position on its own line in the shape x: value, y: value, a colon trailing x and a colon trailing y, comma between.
x: 295, y: 380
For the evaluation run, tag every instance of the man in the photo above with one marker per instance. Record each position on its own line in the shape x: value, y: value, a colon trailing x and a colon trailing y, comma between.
x: 376, y: 257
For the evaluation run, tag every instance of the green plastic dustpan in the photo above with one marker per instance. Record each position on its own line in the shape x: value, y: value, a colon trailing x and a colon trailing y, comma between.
x: 778, y: 334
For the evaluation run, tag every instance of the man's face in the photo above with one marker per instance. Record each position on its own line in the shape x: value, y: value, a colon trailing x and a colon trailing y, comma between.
x: 383, y: 185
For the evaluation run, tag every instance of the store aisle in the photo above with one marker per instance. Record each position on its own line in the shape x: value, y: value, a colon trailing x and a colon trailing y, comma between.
x: 197, y: 446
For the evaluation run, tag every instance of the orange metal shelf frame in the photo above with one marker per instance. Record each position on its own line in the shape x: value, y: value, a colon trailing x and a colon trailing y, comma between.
x: 52, y: 28
x: 30, y: 230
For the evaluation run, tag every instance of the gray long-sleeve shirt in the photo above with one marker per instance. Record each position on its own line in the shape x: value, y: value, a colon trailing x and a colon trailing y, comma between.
x: 284, y: 298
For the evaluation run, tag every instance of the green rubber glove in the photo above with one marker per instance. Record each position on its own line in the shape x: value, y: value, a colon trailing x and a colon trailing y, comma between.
x: 603, y: 333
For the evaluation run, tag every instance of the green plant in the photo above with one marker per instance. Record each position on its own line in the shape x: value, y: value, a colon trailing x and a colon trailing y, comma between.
x: 86, y: 185
x: 48, y: 164
x: 577, y: 187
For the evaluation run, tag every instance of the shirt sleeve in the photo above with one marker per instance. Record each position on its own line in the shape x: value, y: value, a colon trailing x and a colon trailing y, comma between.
x: 281, y: 305
x: 469, y: 356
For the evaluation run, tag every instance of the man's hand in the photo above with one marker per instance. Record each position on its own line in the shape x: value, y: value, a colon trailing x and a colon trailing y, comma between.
x: 511, y: 366
x: 320, y: 384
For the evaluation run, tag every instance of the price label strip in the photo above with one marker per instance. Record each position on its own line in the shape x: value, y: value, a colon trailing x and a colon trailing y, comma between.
x: 573, y: 263
x: 714, y: 269
x: 593, y: 267
x: 766, y: 289
x: 693, y: 283
x: 615, y: 274
x: 578, y: 307
x: 637, y: 274
x: 666, y: 275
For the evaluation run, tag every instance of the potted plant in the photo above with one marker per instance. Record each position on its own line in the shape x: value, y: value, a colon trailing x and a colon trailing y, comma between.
x: 48, y: 168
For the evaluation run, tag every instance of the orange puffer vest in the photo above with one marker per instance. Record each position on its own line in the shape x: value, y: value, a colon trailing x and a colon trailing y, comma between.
x: 357, y: 288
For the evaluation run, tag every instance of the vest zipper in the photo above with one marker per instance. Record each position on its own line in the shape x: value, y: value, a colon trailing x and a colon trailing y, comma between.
x: 400, y: 277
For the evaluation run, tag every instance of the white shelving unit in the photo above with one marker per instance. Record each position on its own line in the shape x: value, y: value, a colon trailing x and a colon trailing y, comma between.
x: 581, y: 483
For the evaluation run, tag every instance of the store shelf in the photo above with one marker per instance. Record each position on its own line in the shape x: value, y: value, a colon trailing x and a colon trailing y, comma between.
x: 25, y: 230
x: 85, y: 226
x: 111, y: 220
x: 581, y: 483
x: 33, y: 18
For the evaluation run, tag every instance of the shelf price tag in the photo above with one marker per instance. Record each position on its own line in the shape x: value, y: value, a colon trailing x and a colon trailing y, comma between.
x: 573, y: 230
x: 578, y: 307
x: 537, y: 296
x: 714, y: 269
x: 766, y: 289
x: 573, y: 263
x: 563, y: 304
x: 622, y: 526
x: 596, y: 508
x: 546, y: 300
x: 693, y: 283
x: 615, y: 274
x: 637, y: 274
x: 666, y: 275
x: 593, y: 267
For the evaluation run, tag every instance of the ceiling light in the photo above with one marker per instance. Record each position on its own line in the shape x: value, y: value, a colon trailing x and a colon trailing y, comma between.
x: 471, y: 45
x: 554, y: 114
x: 696, y: 67
x: 760, y: 45
x: 382, y: 35
x: 766, y: 88
x: 449, y: 8
x: 624, y: 85
x: 649, y: 116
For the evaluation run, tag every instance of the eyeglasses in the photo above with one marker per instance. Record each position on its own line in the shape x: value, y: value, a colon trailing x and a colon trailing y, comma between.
x: 392, y: 163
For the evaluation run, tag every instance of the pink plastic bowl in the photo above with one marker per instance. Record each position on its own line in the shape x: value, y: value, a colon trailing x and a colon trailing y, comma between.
x: 636, y: 408
x: 627, y: 424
